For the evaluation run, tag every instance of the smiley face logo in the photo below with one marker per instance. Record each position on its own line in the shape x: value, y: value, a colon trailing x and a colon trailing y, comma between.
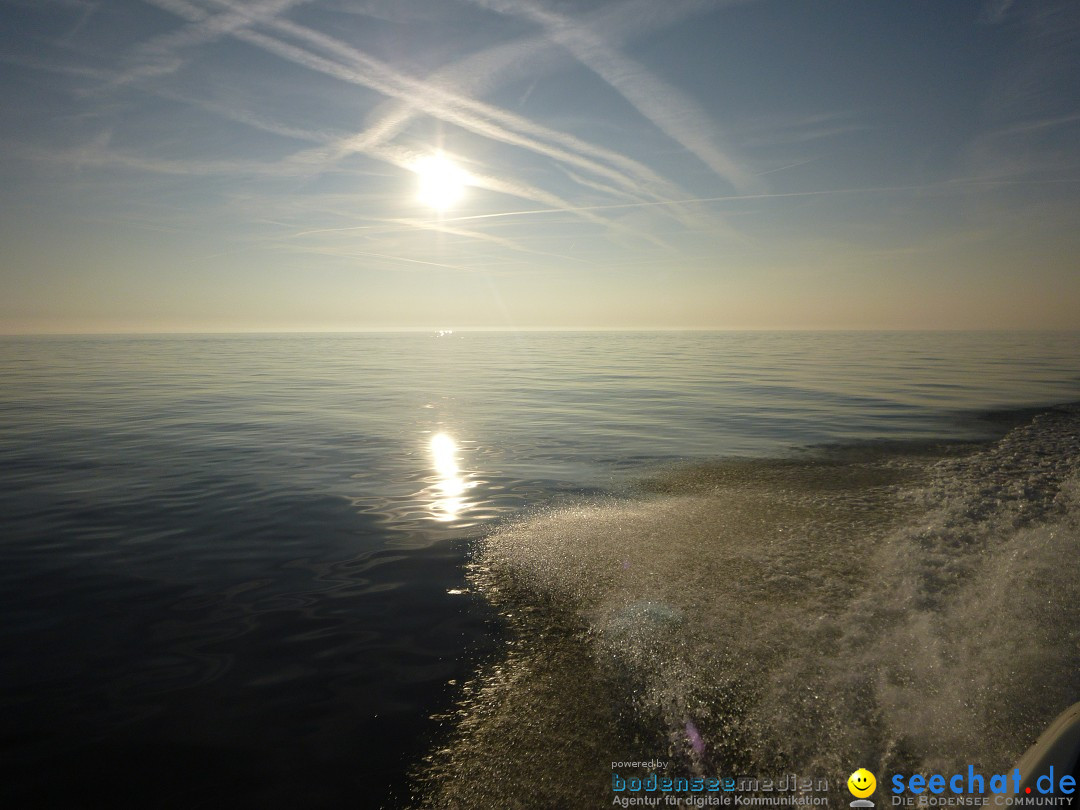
x: 861, y: 783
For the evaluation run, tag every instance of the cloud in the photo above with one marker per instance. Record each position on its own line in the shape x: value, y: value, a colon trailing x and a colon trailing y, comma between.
x: 408, y: 225
x: 233, y: 110
x: 88, y: 10
x: 668, y: 108
x: 784, y: 130
x: 994, y: 11
x: 98, y: 153
x: 348, y: 64
x: 446, y: 105
x: 529, y: 57
x: 262, y: 24
x: 482, y: 72
x: 61, y: 68
x: 395, y: 11
x: 162, y: 55
x: 1029, y: 110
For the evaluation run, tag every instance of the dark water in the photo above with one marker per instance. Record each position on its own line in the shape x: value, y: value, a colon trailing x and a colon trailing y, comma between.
x: 243, y: 571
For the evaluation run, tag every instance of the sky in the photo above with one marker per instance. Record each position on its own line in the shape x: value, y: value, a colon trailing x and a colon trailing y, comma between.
x: 257, y: 165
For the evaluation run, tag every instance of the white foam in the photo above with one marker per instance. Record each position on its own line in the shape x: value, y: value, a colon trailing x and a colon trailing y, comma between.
x: 899, y: 612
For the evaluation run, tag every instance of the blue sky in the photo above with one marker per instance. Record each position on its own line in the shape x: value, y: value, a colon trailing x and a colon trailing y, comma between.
x: 216, y: 165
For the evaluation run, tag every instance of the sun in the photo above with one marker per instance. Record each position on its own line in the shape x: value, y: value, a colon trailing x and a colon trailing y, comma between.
x: 442, y: 182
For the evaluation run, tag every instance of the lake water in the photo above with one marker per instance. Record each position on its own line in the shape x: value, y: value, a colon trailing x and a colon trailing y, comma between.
x: 476, y: 569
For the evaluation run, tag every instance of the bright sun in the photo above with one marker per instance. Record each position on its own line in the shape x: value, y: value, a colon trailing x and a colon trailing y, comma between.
x: 442, y: 182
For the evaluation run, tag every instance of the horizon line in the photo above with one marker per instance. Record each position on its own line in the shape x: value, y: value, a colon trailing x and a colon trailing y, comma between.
x: 510, y: 329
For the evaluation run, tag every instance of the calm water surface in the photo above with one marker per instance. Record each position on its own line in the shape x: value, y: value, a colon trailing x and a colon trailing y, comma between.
x: 234, y: 567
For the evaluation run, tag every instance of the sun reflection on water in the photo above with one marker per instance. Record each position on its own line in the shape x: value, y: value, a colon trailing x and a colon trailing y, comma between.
x: 451, y: 484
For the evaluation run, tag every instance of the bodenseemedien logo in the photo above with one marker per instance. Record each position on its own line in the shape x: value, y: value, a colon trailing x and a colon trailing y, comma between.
x: 861, y: 784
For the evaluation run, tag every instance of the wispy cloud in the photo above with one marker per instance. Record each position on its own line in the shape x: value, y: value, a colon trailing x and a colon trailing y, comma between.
x: 1030, y: 102
x: 590, y: 167
x: 88, y: 9
x: 954, y: 185
x: 406, y: 261
x: 411, y: 225
x: 668, y: 108
x: 480, y: 73
x: 346, y: 63
x: 262, y: 24
x: 98, y: 153
x: 60, y: 68
x: 1041, y: 124
x: 444, y: 104
x: 780, y: 130
x: 164, y: 54
x: 235, y: 110
x: 994, y: 11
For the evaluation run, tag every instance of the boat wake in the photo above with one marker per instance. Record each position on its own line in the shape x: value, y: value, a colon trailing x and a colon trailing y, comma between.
x: 896, y: 608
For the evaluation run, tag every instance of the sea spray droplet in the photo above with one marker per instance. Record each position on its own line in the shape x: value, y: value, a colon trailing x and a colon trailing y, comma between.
x: 644, y: 620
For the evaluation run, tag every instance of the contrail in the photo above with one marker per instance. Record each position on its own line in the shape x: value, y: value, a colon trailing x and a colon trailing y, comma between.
x: 234, y: 112
x: 485, y: 70
x: 383, y: 79
x: 470, y: 114
x: 747, y: 197
x: 376, y: 75
x: 476, y: 116
x: 98, y: 153
x: 35, y: 63
x: 398, y: 157
x: 409, y: 225
x: 159, y: 55
x: 666, y: 107
x: 367, y: 254
x: 88, y: 12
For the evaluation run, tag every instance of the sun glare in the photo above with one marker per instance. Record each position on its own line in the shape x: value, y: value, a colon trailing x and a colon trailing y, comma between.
x: 451, y: 484
x: 442, y: 182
